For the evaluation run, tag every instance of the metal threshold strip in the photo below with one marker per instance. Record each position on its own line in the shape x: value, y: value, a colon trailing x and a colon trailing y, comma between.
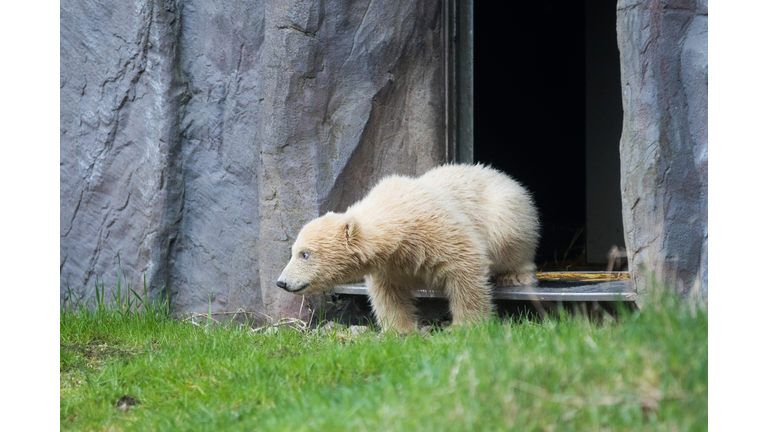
x: 552, y: 286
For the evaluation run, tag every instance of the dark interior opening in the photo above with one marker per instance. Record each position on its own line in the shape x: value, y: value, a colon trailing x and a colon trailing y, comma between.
x: 530, y: 111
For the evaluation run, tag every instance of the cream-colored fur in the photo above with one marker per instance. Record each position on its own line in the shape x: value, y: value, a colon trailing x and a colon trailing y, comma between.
x: 453, y: 229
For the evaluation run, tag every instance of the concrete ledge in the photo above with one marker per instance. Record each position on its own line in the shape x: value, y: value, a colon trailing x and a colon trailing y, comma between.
x: 596, y: 286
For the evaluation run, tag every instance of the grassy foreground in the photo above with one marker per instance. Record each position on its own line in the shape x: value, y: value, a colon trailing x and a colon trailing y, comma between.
x: 648, y: 371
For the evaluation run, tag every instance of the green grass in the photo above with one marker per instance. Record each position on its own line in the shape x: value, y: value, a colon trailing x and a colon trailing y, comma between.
x: 647, y: 371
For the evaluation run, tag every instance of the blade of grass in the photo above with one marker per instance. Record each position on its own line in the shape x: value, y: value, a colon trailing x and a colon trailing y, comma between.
x: 99, y: 301
x: 137, y: 301
x: 87, y: 300
x: 119, y: 305
x: 210, y: 297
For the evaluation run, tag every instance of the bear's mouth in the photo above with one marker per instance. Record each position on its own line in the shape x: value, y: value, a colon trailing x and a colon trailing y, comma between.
x: 299, y: 290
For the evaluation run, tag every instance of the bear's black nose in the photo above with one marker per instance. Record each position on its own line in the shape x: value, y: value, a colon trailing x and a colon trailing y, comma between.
x: 282, y: 284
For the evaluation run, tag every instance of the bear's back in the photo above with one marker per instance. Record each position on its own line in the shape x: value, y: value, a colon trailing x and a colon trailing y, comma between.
x: 498, y: 206
x: 398, y: 199
x: 472, y: 198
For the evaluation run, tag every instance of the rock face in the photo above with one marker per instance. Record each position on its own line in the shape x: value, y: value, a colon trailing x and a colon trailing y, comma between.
x: 664, y: 66
x: 122, y: 102
x: 198, y: 137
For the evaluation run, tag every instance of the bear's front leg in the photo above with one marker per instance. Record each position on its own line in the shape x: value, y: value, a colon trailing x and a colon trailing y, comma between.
x: 392, y: 305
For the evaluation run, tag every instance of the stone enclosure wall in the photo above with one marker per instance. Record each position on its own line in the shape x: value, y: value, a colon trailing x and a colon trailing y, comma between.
x: 664, y: 157
x: 199, y: 136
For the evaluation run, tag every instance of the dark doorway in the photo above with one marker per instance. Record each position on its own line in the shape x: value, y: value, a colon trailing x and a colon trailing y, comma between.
x: 530, y: 114
x: 604, y: 121
x: 530, y: 109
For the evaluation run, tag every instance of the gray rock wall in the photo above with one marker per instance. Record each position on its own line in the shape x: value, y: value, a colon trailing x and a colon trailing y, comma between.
x: 664, y: 72
x: 215, y: 255
x: 353, y: 91
x: 197, y: 137
x: 120, y: 109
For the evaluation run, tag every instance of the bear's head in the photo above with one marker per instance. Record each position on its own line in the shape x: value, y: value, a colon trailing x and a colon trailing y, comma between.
x: 323, y: 255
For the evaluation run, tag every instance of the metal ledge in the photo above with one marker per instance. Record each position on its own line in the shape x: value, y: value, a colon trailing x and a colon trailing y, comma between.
x: 597, y: 286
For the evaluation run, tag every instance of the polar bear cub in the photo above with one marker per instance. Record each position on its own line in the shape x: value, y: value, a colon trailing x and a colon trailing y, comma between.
x: 452, y: 229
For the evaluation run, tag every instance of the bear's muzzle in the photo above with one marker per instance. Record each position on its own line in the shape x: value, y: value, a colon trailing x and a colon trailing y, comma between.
x: 282, y: 284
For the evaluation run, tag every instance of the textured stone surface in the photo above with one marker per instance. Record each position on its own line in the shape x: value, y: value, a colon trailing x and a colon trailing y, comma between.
x: 353, y: 91
x: 664, y: 70
x: 120, y: 102
x: 197, y: 137
x: 215, y: 255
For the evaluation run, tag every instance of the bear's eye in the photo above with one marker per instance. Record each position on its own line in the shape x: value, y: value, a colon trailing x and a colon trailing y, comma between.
x: 304, y: 255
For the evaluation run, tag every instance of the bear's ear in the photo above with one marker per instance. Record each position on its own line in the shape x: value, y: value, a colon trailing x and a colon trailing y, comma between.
x: 351, y: 230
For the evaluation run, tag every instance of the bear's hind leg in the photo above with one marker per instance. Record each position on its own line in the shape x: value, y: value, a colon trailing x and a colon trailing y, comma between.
x: 469, y: 296
x: 525, y: 275
x: 392, y: 305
